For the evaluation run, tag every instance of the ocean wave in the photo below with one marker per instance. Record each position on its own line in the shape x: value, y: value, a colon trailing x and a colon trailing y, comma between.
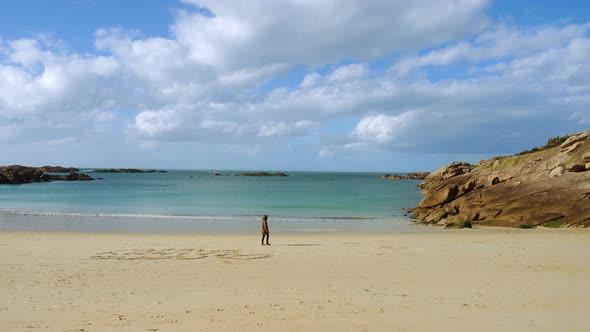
x: 188, y: 217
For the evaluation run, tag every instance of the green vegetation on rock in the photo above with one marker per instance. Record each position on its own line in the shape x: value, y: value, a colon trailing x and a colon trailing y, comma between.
x: 557, y: 223
x: 553, y: 142
x: 527, y: 226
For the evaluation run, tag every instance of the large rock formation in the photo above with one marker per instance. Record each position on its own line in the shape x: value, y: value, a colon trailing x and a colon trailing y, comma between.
x: 16, y: 174
x: 548, y: 186
x: 409, y: 176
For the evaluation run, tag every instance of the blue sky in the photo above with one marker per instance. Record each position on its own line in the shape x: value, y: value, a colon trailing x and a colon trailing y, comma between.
x: 288, y: 85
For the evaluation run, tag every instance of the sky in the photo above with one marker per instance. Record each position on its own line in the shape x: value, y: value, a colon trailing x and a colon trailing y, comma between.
x: 331, y: 85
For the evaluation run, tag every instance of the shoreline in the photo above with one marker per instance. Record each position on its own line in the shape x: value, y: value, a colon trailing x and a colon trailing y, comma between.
x: 169, y: 216
x: 486, y: 279
x: 127, y: 224
x: 57, y: 222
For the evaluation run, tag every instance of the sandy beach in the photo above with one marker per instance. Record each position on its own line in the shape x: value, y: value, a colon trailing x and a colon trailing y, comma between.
x: 460, y: 280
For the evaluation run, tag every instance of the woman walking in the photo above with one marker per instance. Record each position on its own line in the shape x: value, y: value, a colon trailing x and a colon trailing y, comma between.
x: 265, y: 231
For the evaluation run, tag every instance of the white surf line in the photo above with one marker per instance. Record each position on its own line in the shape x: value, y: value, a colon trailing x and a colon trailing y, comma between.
x: 112, y: 215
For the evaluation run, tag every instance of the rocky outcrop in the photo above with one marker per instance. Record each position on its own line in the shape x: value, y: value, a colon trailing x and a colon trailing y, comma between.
x: 262, y: 174
x: 58, y: 169
x: 533, y: 188
x: 409, y: 176
x: 128, y: 170
x: 16, y: 174
x: 73, y: 176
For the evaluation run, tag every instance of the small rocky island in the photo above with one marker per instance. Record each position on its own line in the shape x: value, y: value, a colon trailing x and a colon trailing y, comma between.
x: 547, y: 186
x: 17, y: 174
x: 128, y: 170
x: 409, y: 176
x: 262, y: 174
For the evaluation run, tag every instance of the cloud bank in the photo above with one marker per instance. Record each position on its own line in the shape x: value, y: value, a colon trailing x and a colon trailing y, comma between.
x: 382, y: 76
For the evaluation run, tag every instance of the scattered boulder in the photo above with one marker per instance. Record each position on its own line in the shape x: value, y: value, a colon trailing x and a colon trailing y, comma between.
x: 557, y: 171
x: 586, y: 157
x: 459, y: 224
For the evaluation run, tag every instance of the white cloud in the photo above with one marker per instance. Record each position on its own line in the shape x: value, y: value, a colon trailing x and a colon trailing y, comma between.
x: 25, y: 52
x: 207, y: 81
x: 262, y: 32
x: 310, y: 80
x: 498, y: 42
x: 283, y: 129
x: 324, y: 153
x: 383, y: 128
x: 154, y: 123
x: 349, y: 72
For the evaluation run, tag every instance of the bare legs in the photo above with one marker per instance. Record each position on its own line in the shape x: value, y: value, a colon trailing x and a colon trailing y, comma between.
x: 267, y: 236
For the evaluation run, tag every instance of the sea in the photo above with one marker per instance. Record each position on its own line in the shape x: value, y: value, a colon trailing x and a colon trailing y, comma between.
x: 185, y: 201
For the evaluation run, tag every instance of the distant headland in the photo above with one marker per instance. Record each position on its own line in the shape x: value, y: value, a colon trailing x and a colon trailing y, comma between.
x: 262, y: 174
x: 127, y: 170
x: 17, y: 174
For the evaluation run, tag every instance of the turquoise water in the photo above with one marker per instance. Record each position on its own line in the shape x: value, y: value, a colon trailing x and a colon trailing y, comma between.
x: 190, y: 197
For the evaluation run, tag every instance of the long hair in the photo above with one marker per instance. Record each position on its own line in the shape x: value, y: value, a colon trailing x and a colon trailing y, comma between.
x: 264, y: 217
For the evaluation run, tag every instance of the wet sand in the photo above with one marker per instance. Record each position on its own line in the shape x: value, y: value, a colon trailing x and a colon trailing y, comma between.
x: 459, y: 280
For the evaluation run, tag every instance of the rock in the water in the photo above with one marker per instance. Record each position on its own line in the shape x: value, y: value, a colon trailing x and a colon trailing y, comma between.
x: 46, y: 177
x: 58, y: 169
x: 73, y: 176
x: 128, y: 170
x: 409, y: 176
x: 262, y: 174
x: 512, y: 190
x: 16, y: 174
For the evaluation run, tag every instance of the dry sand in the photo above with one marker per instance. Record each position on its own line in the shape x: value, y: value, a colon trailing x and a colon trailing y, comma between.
x: 464, y: 280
